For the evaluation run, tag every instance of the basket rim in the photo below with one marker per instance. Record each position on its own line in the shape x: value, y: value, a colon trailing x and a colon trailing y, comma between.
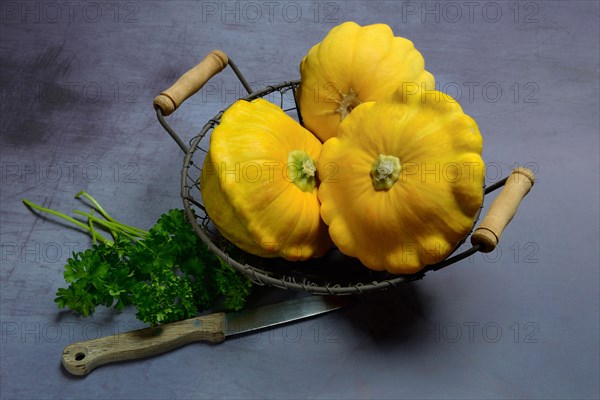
x: 260, y: 276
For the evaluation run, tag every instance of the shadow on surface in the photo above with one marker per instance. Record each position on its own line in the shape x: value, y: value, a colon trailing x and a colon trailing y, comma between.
x: 389, y: 316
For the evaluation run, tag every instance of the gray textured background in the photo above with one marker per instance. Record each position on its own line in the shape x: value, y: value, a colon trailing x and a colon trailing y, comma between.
x: 78, y: 79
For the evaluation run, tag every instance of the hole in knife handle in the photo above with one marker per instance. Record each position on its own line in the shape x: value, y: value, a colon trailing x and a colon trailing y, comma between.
x: 79, y: 356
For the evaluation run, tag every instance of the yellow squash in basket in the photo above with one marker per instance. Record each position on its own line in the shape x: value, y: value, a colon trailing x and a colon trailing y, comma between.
x: 402, y: 182
x: 355, y: 64
x: 259, y: 183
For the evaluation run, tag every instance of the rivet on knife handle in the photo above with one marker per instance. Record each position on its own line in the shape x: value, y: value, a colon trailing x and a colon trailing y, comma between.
x: 503, y: 209
x: 82, y: 357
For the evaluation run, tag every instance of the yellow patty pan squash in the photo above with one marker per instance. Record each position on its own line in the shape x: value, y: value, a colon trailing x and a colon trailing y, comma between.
x: 355, y: 64
x: 259, y: 183
x: 408, y: 181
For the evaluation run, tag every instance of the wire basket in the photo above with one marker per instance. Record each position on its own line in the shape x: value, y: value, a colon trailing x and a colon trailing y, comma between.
x: 335, y: 273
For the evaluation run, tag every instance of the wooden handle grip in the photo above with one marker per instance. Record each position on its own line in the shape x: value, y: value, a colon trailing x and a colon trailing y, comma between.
x: 82, y: 357
x: 190, y: 82
x: 503, y: 209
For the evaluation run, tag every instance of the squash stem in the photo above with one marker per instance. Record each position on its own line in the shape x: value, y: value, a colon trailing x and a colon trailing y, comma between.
x: 385, y: 171
x: 347, y: 103
x: 302, y: 170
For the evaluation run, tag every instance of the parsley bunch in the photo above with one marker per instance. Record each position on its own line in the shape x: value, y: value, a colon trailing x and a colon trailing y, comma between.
x: 167, y: 273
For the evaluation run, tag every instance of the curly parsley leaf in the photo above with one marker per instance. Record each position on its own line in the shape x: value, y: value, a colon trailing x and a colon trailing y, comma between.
x: 167, y: 273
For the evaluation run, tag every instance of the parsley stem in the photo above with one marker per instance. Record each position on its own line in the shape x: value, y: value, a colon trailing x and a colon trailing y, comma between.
x: 96, y: 204
x: 92, y: 219
x: 114, y: 227
x: 92, y: 231
x: 135, y: 231
x: 63, y: 216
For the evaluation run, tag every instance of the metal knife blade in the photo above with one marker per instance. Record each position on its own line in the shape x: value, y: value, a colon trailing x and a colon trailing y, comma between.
x: 82, y: 357
x: 280, y: 313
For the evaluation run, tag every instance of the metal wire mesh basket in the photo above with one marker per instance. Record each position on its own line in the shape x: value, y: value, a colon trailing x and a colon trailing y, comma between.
x: 334, y: 273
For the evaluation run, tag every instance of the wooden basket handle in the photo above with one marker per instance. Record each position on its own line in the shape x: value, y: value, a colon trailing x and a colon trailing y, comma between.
x: 503, y: 209
x: 190, y: 82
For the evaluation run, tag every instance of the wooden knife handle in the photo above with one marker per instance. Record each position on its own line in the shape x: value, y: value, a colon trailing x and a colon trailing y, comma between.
x: 190, y: 82
x: 82, y: 357
x: 503, y: 209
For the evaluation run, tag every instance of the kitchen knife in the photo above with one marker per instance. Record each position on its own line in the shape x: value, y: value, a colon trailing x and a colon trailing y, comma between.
x: 82, y: 357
